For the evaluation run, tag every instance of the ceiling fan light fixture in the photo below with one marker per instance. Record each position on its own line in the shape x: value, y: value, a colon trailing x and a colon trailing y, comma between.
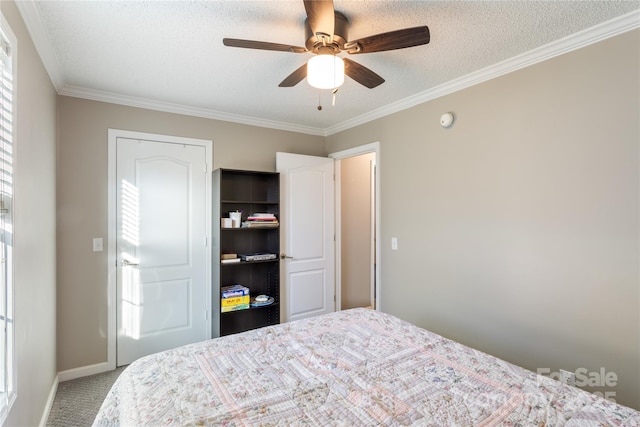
x: 325, y: 71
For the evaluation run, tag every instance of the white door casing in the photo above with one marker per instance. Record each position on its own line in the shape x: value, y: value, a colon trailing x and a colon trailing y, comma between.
x: 160, y: 254
x: 308, y: 233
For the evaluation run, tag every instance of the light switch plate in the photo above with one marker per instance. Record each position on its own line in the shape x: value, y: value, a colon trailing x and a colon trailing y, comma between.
x: 97, y: 244
x: 394, y: 243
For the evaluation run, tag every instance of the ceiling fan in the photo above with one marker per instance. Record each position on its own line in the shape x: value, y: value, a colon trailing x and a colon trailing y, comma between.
x: 326, y: 36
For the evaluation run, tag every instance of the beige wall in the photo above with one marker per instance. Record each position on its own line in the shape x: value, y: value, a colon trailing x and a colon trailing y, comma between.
x: 355, y: 202
x: 526, y: 243
x: 35, y: 232
x: 82, y: 202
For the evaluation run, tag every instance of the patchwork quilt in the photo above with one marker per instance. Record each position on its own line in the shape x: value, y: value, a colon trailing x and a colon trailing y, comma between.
x: 350, y: 368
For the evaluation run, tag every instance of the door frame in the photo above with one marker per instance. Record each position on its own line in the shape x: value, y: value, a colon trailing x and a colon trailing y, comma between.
x: 113, y: 135
x: 373, y: 147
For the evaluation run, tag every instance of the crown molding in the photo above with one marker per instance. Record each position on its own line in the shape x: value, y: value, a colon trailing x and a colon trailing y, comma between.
x: 32, y: 20
x: 575, y: 41
x: 168, y: 107
x: 583, y: 38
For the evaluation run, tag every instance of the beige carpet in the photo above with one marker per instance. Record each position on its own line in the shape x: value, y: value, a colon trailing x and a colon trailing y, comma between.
x: 77, y: 401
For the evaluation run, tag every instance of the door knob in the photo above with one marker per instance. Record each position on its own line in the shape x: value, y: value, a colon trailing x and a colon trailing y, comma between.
x: 285, y: 256
x: 126, y: 263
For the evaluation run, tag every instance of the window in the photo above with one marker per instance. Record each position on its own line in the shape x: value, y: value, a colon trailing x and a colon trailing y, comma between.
x: 7, y: 108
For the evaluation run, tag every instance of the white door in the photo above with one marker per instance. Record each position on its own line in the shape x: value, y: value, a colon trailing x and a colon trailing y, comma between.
x: 308, y: 234
x: 161, y: 250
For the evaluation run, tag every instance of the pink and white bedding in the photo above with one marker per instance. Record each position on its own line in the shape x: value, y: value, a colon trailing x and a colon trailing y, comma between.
x: 350, y: 368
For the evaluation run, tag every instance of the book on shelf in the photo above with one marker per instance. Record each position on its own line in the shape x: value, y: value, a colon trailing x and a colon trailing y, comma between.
x: 262, y: 215
x: 229, y: 258
x: 258, y: 256
x: 260, y: 224
x: 261, y: 220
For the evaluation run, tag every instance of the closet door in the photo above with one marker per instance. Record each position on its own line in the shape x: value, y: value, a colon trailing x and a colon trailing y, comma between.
x: 161, y: 247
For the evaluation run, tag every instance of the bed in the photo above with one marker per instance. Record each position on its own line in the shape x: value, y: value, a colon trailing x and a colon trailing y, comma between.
x: 356, y: 367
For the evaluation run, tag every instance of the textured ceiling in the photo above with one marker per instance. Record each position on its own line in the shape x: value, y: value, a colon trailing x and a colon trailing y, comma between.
x: 170, y: 56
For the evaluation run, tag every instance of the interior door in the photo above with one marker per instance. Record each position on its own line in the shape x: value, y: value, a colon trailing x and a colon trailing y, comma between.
x: 161, y: 246
x: 308, y: 234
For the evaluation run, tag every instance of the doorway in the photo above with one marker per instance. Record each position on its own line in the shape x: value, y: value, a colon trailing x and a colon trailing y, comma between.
x: 357, y: 227
x: 328, y: 246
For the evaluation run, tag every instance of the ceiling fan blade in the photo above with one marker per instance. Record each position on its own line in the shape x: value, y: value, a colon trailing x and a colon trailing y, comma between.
x: 252, y: 44
x: 294, y: 78
x: 321, y: 17
x: 361, y: 74
x: 398, y: 39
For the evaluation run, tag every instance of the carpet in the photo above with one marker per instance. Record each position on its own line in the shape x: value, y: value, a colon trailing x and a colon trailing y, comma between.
x: 77, y: 401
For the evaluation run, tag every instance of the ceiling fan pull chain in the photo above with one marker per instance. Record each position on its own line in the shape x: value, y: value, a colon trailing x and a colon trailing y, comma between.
x: 319, y: 100
x: 333, y: 101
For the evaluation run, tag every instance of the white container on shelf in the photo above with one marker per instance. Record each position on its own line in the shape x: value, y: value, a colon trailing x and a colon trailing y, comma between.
x: 236, y: 218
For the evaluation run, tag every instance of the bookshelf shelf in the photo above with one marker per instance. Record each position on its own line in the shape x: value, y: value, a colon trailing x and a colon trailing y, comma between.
x: 250, y: 262
x: 252, y: 202
x: 262, y: 307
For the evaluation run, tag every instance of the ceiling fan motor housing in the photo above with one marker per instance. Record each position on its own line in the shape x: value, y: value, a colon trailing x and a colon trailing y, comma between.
x: 318, y: 43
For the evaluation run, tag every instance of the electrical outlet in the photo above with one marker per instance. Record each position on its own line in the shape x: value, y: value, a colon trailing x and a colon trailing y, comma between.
x: 567, y: 377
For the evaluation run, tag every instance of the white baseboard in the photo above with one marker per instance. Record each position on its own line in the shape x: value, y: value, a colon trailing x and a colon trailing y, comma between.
x: 49, y: 405
x: 83, y: 371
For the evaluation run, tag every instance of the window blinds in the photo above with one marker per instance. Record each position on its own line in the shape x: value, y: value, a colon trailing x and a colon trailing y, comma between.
x: 6, y: 221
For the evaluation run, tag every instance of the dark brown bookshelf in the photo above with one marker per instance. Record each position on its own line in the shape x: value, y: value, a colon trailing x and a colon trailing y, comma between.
x: 249, y: 192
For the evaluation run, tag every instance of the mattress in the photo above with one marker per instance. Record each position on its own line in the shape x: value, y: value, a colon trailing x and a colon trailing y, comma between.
x: 356, y: 367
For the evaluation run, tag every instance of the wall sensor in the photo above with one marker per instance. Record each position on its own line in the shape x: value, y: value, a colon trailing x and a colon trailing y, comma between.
x: 446, y: 120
